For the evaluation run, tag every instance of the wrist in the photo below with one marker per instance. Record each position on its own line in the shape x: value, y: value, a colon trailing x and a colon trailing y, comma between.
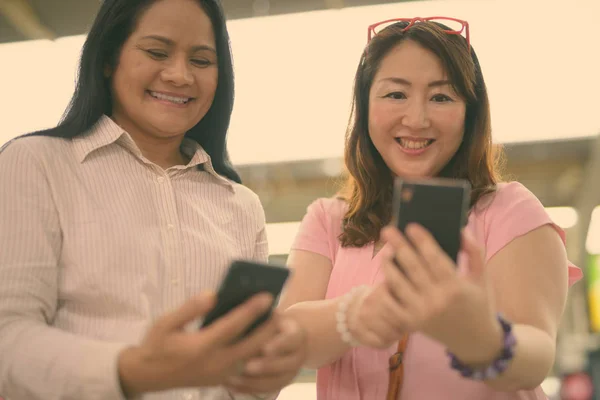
x: 488, y: 366
x: 130, y: 374
x: 485, y: 348
x: 344, y: 315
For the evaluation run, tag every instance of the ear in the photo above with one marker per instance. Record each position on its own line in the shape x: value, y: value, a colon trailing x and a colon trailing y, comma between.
x: 107, y: 71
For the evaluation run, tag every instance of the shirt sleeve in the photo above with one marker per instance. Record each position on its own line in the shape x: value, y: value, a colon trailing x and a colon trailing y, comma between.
x: 261, y: 248
x: 38, y: 361
x: 320, y: 228
x: 514, y: 212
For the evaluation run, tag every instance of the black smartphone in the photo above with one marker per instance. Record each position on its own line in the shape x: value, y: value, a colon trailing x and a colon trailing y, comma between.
x: 245, y: 279
x: 440, y: 205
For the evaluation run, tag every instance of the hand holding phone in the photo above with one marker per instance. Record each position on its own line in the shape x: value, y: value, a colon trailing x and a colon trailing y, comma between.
x: 440, y: 205
x: 245, y: 279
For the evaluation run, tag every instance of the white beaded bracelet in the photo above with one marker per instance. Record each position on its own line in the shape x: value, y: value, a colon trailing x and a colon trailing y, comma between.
x: 342, y: 318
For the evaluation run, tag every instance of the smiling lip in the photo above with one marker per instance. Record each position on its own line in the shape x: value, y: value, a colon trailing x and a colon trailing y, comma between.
x: 414, y: 146
x: 171, y: 99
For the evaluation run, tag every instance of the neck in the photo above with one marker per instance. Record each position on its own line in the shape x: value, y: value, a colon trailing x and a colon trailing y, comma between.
x: 162, y: 151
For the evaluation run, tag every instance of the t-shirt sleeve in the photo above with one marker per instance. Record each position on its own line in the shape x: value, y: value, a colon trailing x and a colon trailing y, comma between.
x: 514, y: 212
x: 318, y: 231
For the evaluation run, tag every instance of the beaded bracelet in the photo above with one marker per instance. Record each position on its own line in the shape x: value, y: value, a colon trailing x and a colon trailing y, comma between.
x: 499, y: 365
x: 342, y: 319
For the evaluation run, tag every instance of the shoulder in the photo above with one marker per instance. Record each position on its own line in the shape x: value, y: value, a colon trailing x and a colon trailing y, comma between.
x: 247, y: 200
x: 510, y: 212
x: 332, y: 208
x: 244, y: 194
x: 321, y: 226
x: 508, y: 195
x: 324, y: 217
x: 42, y: 149
x: 513, y: 191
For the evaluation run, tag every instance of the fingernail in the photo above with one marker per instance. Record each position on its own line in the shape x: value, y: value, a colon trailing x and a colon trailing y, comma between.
x: 266, y: 300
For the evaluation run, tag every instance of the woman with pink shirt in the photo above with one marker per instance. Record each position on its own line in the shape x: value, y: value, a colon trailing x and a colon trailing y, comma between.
x: 426, y: 328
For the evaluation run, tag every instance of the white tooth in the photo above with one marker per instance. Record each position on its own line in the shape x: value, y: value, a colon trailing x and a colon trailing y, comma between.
x: 178, y: 100
x: 412, y: 144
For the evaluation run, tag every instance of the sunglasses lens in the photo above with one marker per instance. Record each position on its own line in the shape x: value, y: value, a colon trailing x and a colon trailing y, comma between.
x: 448, y: 25
x: 398, y: 24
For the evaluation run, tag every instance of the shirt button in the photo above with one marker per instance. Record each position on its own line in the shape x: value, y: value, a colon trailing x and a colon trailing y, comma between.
x: 170, y: 227
x: 175, y: 282
x: 160, y: 179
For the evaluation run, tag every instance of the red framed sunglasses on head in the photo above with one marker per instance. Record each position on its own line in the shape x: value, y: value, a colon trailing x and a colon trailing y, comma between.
x: 456, y: 26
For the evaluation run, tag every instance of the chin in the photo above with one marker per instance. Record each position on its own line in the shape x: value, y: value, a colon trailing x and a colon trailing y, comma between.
x: 412, y: 173
x: 171, y: 128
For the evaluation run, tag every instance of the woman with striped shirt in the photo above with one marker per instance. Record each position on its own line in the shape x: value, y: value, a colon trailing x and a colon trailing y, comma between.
x: 118, y: 223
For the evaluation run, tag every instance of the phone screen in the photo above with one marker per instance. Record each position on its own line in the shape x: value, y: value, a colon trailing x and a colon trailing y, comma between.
x: 439, y: 205
x: 245, y: 279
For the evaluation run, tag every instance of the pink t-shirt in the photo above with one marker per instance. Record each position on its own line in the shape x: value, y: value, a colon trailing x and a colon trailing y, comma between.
x: 362, y: 373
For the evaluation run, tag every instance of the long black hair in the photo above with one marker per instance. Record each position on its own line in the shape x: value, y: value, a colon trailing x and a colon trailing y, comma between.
x: 115, y: 22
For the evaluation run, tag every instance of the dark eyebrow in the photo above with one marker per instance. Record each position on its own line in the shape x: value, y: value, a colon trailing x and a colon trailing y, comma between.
x: 169, y: 42
x: 403, y: 81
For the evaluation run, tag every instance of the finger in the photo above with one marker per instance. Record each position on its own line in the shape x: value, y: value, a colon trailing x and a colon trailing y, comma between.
x: 378, y: 332
x: 252, y: 345
x: 190, y: 310
x: 232, y: 325
x: 407, y: 259
x: 475, y: 255
x: 441, y: 266
x: 394, y: 313
x: 290, y: 337
x: 383, y: 305
x: 372, y: 326
x: 399, y: 285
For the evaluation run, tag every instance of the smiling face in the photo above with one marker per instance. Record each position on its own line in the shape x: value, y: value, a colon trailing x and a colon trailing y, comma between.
x: 416, y: 119
x: 167, y: 73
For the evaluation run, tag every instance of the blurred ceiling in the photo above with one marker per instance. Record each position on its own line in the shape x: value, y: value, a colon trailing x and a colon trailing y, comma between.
x: 46, y: 19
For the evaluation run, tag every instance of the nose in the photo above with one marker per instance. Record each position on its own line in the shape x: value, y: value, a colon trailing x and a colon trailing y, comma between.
x: 178, y: 73
x: 416, y: 116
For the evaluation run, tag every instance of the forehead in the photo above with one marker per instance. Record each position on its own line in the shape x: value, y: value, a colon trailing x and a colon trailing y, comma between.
x: 411, y: 61
x: 178, y: 20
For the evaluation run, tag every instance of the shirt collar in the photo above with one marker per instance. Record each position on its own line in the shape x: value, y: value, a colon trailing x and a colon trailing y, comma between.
x: 106, y: 132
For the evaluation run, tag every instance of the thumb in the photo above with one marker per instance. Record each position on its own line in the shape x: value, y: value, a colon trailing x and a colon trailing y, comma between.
x: 194, y: 308
x: 475, y: 256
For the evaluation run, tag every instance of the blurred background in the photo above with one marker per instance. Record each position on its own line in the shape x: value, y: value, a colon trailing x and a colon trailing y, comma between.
x: 295, y: 61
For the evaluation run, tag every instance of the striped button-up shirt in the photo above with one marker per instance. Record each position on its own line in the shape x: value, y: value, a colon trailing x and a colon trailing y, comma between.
x: 96, y: 243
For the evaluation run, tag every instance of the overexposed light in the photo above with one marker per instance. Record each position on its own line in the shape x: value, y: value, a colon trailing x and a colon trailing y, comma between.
x: 281, y: 236
x: 37, y: 83
x: 294, y: 75
x: 565, y: 217
x: 299, y: 391
x: 551, y: 386
x: 592, y: 243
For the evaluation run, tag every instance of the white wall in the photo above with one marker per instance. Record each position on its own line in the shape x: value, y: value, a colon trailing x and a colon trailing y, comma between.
x: 294, y: 74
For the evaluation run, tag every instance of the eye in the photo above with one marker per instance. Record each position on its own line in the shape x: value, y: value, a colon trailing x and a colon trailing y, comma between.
x: 441, y: 98
x: 201, y: 63
x: 157, y: 55
x: 396, y: 96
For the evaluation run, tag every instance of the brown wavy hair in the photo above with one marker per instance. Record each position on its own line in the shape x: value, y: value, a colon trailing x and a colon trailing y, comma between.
x: 368, y: 188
